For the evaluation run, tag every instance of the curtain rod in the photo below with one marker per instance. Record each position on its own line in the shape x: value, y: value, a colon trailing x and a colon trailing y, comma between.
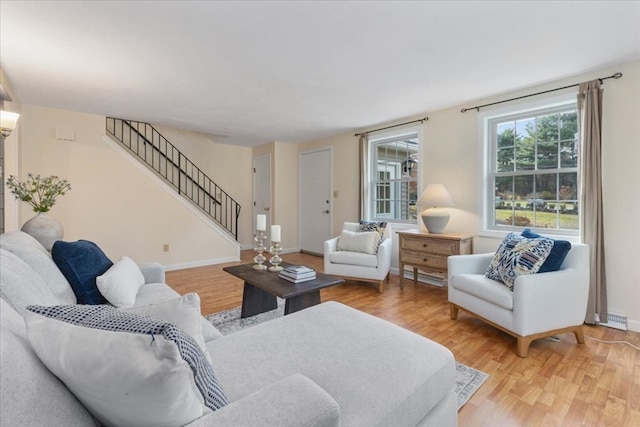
x: 478, y: 107
x: 394, y: 126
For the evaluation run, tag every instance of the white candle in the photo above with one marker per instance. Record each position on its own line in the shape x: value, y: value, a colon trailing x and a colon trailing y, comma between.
x: 261, y: 223
x: 275, y: 233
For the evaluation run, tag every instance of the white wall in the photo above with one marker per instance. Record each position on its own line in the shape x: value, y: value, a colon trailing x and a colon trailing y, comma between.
x: 228, y: 166
x: 346, y: 179
x: 450, y: 156
x: 107, y: 209
x: 284, y: 194
x: 112, y: 202
x: 452, y: 146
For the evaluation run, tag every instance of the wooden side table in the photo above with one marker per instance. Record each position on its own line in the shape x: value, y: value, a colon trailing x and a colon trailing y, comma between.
x: 429, y: 252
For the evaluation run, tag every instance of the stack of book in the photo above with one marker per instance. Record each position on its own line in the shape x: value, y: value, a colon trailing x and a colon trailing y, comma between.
x: 297, y: 273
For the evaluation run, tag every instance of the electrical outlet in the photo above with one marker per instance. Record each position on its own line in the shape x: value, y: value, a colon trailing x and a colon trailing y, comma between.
x: 165, y: 247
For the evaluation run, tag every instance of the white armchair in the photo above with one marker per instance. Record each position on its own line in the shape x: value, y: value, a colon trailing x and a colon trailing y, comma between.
x: 359, y: 265
x: 540, y: 305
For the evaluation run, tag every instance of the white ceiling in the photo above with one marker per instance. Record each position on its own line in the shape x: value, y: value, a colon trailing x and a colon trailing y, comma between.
x: 298, y: 71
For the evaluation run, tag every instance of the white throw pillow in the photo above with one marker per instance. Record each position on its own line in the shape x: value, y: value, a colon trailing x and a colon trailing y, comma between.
x: 184, y: 312
x: 363, y: 241
x: 120, y: 283
x: 126, y: 369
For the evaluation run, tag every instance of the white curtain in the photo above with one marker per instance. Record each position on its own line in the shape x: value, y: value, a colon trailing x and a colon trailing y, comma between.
x: 590, y: 119
x: 364, y: 174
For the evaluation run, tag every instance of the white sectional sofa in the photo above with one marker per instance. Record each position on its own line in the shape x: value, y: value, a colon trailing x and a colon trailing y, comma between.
x: 329, y: 365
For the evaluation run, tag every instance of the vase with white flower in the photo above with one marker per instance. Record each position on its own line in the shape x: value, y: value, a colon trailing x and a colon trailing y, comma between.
x: 41, y: 193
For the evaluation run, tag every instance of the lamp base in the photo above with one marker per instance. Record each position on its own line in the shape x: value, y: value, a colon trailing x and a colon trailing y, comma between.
x: 435, y: 219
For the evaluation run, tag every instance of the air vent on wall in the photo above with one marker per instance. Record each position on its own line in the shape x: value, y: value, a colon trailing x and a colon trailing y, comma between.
x: 616, y: 321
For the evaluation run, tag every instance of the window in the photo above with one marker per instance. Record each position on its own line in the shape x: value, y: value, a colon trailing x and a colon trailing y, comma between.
x: 394, y: 177
x: 532, y: 169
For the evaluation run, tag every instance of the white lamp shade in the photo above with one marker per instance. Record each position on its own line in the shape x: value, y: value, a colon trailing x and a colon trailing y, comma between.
x: 434, y: 197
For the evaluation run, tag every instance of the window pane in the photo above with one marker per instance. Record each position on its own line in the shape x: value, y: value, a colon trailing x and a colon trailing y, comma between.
x: 506, y: 134
x: 568, y: 186
x: 568, y: 201
x: 569, y: 153
x: 504, y: 201
x: 534, y: 176
x: 504, y: 188
x: 523, y: 189
x: 540, y: 201
x: 568, y: 125
x: 505, y: 160
x: 396, y: 174
x: 525, y: 155
x: 547, y: 128
x: 546, y: 185
x: 548, y: 155
x: 525, y: 128
x: 523, y: 186
x: 525, y: 144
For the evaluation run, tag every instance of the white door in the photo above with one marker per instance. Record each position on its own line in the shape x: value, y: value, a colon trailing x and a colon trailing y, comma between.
x: 262, y: 189
x: 314, y: 171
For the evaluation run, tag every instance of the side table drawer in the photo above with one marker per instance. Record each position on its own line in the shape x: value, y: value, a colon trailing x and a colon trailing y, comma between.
x: 444, y: 247
x: 425, y: 259
x: 429, y: 252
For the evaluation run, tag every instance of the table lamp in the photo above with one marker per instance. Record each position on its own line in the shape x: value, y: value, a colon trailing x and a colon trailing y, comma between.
x: 433, y: 198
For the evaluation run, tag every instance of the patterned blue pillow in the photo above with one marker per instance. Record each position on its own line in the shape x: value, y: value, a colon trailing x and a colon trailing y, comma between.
x: 559, y: 252
x: 108, y: 318
x: 518, y: 256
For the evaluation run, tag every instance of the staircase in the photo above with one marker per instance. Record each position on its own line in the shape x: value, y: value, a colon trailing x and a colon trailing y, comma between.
x: 157, y: 153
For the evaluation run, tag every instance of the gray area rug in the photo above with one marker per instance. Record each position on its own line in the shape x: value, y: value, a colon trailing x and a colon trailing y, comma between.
x: 468, y: 380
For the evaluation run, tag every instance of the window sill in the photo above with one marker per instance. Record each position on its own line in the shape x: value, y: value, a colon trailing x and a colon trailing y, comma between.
x: 499, y: 234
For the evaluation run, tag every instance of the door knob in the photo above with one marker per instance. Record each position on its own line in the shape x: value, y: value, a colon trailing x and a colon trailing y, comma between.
x: 327, y: 211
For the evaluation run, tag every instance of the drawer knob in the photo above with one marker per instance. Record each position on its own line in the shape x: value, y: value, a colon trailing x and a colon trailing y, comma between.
x: 424, y: 245
x: 424, y: 259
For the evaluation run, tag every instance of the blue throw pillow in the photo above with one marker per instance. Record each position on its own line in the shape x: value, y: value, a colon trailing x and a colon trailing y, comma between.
x: 558, y: 253
x: 81, y: 262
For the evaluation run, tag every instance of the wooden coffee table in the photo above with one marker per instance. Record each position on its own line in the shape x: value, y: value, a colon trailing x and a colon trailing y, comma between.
x: 262, y: 287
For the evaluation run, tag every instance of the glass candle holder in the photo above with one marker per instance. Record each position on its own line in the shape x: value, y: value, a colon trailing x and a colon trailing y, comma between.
x: 275, y: 259
x: 259, y: 248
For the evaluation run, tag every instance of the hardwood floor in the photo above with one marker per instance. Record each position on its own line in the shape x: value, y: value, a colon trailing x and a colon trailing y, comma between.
x: 559, y: 384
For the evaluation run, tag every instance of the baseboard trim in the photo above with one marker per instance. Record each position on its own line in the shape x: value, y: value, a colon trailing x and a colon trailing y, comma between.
x: 633, y: 325
x: 203, y: 263
x: 422, y: 278
x: 207, y: 262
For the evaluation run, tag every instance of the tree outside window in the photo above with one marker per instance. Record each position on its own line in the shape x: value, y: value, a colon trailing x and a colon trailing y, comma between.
x: 534, y: 171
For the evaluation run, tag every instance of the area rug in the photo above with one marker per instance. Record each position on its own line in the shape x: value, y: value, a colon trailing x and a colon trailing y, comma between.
x: 468, y: 380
